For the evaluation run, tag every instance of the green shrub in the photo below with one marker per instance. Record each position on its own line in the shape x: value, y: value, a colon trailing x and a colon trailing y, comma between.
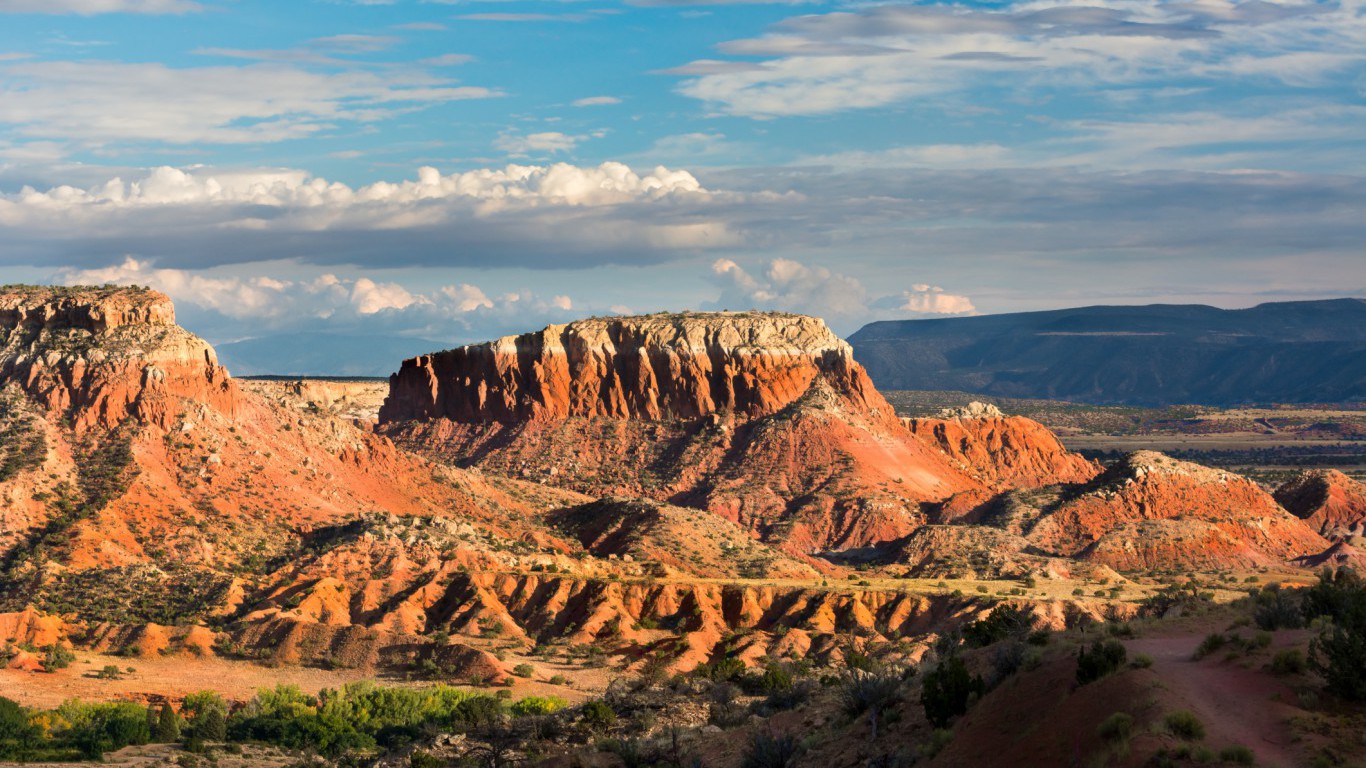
x: 538, y: 705
x: 1141, y: 661
x: 1003, y: 622
x: 768, y: 750
x: 948, y: 690
x: 1210, y: 644
x: 1117, y: 727
x: 1276, y: 608
x: 598, y: 715
x: 865, y: 691
x: 1237, y: 755
x: 167, y: 728
x: 206, y: 716
x: 1288, y: 662
x: 99, y: 728
x: 420, y: 759
x: 1185, y: 725
x: 57, y: 656
x: 1337, y: 652
x: 941, y: 738
x: 724, y: 669
x: 524, y: 670
x: 775, y: 679
x: 1103, y: 658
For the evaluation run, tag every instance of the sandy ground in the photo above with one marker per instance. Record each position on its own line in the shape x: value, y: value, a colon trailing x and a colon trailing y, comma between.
x: 251, y: 756
x: 172, y: 676
x: 1237, y: 704
x: 175, y: 676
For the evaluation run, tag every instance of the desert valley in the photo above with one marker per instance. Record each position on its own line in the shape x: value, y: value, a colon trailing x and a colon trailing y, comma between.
x: 670, y: 539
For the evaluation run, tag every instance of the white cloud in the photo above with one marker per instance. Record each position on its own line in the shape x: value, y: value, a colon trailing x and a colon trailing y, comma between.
x: 93, y: 7
x: 466, y: 297
x: 932, y: 300
x: 103, y: 103
x: 258, y: 297
x: 448, y: 60
x: 928, y: 155
x: 596, y: 101
x: 545, y: 143
x: 370, y: 297
x: 264, y: 303
x: 791, y: 286
x: 547, y: 215
x: 894, y: 53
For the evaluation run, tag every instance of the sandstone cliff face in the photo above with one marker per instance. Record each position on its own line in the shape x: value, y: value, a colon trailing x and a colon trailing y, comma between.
x: 98, y: 356
x: 1329, y: 501
x: 762, y: 418
x: 1152, y: 511
x: 652, y: 367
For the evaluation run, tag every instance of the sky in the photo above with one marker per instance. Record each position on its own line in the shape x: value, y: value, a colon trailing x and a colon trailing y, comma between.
x: 451, y: 171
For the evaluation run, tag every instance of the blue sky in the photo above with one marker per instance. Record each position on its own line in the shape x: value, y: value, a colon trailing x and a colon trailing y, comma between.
x: 456, y: 170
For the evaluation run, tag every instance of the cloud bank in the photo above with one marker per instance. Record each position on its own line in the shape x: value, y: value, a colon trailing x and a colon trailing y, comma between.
x: 556, y: 215
x: 899, y: 53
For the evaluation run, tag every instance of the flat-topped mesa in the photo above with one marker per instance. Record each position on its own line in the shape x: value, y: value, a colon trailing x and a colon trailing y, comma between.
x: 653, y: 367
x: 84, y: 307
x: 100, y: 355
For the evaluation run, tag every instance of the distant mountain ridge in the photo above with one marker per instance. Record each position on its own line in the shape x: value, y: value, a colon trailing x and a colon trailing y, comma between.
x: 1290, y: 352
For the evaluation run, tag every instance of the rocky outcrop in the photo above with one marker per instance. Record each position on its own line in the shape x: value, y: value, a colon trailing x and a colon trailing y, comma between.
x: 674, y: 541
x: 1151, y: 511
x: 654, y: 367
x: 94, y: 310
x: 694, y: 623
x: 98, y: 356
x: 1329, y: 501
x: 1003, y: 451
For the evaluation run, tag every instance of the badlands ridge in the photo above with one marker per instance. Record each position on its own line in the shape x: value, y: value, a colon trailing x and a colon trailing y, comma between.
x: 683, y: 485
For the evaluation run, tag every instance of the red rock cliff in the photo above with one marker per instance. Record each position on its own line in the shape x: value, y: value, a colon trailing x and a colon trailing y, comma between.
x: 1150, y: 510
x: 1329, y: 501
x: 655, y: 367
x: 100, y: 355
x: 1003, y: 451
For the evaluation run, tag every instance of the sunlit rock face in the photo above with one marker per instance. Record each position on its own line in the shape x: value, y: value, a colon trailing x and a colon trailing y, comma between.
x: 101, y: 355
x: 652, y: 367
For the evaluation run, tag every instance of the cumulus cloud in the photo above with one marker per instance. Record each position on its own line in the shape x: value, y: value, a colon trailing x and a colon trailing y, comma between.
x: 925, y: 299
x: 547, y: 215
x: 967, y: 230
x: 791, y: 286
x: 93, y: 7
x: 887, y: 54
x: 333, y: 303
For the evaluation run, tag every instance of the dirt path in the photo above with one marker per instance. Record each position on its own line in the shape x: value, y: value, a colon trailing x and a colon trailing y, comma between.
x: 1237, y: 705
